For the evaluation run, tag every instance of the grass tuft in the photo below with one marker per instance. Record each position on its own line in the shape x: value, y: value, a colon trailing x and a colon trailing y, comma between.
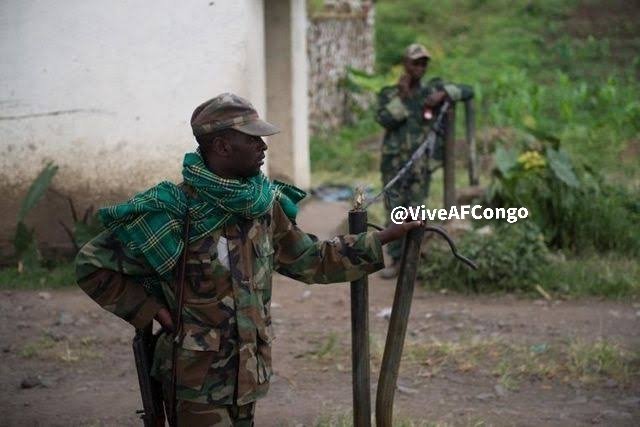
x: 60, y: 276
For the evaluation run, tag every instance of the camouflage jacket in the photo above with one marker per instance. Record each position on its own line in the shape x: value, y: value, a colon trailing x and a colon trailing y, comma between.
x: 404, y: 120
x: 224, y: 354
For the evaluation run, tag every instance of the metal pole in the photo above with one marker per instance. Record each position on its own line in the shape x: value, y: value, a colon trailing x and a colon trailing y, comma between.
x: 470, y: 121
x: 397, y: 328
x: 450, y: 159
x: 360, y: 335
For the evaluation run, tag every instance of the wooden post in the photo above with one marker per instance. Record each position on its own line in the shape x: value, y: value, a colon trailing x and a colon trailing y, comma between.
x: 470, y: 121
x: 360, y: 335
x: 450, y: 159
x: 397, y: 328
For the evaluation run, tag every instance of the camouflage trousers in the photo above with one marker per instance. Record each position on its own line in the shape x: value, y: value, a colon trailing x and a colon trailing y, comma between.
x: 193, y: 414
x: 198, y: 414
x: 411, y: 190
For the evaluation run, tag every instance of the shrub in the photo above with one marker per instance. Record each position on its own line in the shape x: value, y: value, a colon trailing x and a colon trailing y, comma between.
x: 511, y: 258
x: 568, y: 200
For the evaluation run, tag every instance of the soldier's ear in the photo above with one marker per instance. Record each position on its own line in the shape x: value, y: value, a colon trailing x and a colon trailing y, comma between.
x: 221, y: 146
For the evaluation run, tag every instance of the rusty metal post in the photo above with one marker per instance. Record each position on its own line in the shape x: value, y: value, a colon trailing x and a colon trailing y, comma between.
x: 450, y: 159
x: 470, y: 128
x: 397, y: 328
x: 360, y: 335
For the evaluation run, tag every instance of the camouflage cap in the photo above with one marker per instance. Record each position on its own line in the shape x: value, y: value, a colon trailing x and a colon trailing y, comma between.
x: 229, y: 111
x: 416, y: 51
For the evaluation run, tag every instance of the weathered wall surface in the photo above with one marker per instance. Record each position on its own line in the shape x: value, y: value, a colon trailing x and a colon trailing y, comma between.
x: 106, y: 89
x: 342, y: 36
x: 287, y: 99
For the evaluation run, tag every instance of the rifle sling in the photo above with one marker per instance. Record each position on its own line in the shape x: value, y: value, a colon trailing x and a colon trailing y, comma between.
x: 177, y: 321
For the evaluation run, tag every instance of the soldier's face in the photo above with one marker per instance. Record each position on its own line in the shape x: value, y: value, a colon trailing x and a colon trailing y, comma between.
x: 416, y: 68
x: 248, y: 154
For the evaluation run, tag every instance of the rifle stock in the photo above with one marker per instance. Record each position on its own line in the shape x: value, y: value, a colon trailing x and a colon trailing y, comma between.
x: 152, y: 413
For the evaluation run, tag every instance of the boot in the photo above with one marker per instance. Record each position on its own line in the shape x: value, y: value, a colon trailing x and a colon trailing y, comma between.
x: 390, y: 272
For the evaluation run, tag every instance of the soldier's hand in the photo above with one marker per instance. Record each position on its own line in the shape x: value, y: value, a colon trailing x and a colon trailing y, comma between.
x: 435, y: 99
x: 404, y: 86
x: 397, y: 231
x: 164, y: 318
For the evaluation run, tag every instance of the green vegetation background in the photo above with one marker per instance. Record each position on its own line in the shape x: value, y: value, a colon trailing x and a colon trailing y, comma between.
x: 563, y: 68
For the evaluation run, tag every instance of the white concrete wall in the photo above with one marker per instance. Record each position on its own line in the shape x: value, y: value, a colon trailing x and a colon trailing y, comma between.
x: 300, y: 93
x: 287, y: 90
x: 106, y: 89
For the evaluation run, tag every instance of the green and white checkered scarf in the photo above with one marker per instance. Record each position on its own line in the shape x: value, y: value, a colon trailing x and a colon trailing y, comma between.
x: 151, y: 223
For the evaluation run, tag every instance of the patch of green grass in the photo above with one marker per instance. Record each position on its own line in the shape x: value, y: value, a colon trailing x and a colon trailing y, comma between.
x: 512, y: 363
x: 327, y: 346
x: 345, y: 419
x: 592, y: 361
x: 464, y: 356
x: 608, y: 275
x: 60, y: 276
x: 68, y: 350
x: 352, y: 151
x: 327, y: 349
x: 37, y: 348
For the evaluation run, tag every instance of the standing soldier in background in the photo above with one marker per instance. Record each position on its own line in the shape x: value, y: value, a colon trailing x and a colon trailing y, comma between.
x: 405, y: 110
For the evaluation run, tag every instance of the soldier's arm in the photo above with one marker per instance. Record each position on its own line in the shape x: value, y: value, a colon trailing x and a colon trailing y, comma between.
x: 455, y: 92
x: 391, y: 112
x: 452, y: 92
x: 106, y: 271
x: 302, y: 257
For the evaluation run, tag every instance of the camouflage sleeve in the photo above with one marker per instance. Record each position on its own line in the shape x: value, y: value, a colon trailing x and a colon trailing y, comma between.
x: 342, y: 259
x: 391, y: 111
x: 458, y: 92
x: 112, y: 277
x: 453, y: 92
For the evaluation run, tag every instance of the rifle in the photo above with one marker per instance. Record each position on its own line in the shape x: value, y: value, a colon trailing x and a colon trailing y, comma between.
x: 144, y: 343
x: 428, y: 146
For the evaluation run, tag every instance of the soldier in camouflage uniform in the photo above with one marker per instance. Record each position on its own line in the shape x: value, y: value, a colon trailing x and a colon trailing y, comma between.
x: 401, y: 111
x: 242, y: 230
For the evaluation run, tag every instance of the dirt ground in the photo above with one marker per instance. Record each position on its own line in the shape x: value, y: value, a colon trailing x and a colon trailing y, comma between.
x: 65, y: 362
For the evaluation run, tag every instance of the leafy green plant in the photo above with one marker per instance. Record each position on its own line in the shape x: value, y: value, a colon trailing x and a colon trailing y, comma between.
x: 609, y: 275
x: 361, y: 81
x: 509, y: 258
x: 314, y: 7
x: 24, y: 240
x: 568, y: 201
x: 84, y: 228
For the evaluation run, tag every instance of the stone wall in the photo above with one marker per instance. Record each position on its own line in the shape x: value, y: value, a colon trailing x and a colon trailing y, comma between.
x: 338, y: 37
